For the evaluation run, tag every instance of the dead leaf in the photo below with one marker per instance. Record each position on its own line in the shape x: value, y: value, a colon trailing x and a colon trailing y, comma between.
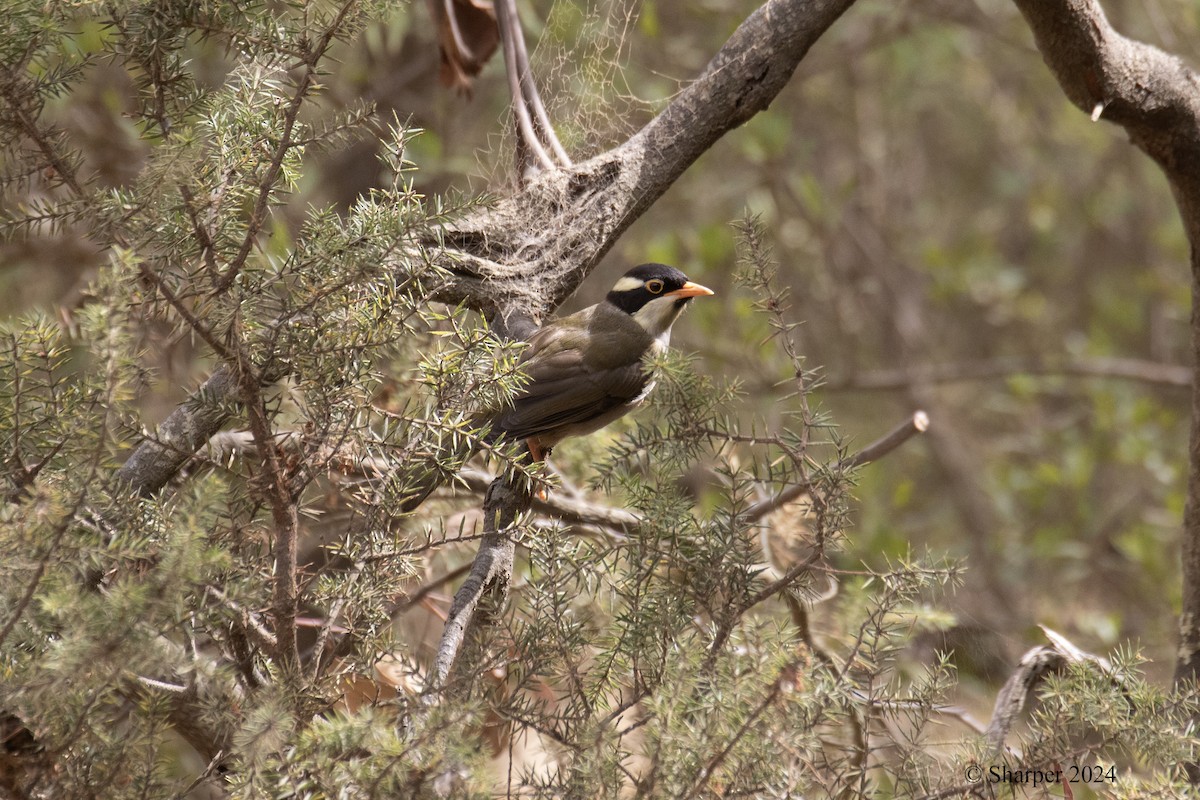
x: 467, y: 37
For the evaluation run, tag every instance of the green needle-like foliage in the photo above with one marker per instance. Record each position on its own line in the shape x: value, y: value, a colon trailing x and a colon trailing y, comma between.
x: 262, y: 626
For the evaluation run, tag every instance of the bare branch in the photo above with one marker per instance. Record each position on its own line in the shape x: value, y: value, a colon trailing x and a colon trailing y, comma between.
x: 710, y: 767
x: 517, y: 73
x: 918, y: 423
x: 1035, y: 665
x: 529, y: 91
x: 276, y: 487
x: 1132, y: 369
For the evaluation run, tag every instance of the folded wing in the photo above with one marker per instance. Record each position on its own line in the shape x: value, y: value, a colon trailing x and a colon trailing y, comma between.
x: 565, y: 391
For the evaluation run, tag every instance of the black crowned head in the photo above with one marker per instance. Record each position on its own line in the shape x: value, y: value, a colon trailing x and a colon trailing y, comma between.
x: 648, y: 282
x: 655, y: 295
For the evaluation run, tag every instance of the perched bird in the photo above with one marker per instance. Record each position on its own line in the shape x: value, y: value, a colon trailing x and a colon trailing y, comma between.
x: 586, y: 369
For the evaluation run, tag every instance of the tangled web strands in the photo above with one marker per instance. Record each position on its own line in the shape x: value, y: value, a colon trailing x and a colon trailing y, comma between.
x: 579, y: 57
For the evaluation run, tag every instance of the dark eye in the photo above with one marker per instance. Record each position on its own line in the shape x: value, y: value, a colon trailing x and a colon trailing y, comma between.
x: 654, y: 286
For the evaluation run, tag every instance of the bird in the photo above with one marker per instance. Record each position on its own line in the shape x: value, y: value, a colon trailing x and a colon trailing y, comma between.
x: 587, y: 369
x: 582, y: 371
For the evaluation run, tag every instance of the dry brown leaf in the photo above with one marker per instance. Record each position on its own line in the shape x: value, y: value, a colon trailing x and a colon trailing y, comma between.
x: 467, y: 37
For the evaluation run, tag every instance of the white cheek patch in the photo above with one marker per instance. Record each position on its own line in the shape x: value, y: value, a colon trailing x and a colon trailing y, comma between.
x: 657, y: 316
x: 627, y: 284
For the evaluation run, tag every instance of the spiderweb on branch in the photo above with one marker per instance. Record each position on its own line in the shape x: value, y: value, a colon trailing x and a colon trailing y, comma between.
x: 579, y: 53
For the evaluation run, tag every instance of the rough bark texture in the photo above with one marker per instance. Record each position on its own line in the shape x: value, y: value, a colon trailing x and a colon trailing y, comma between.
x: 1155, y: 97
x: 1035, y: 666
x: 181, y: 434
x: 507, y: 498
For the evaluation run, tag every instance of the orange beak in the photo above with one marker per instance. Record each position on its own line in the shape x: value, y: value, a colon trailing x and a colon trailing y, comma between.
x: 690, y: 289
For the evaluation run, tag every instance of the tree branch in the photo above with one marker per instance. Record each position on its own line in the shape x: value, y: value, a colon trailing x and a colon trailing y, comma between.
x: 506, y: 500
x: 1155, y: 97
x: 523, y: 93
x: 535, y: 248
x: 1035, y: 665
x: 1132, y: 369
x: 159, y: 457
x: 917, y: 423
x: 574, y: 510
x: 532, y: 250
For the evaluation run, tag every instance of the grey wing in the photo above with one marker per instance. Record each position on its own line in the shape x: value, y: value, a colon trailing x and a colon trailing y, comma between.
x: 564, y: 391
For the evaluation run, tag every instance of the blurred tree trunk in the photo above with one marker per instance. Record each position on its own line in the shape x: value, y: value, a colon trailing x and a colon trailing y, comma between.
x: 1155, y: 97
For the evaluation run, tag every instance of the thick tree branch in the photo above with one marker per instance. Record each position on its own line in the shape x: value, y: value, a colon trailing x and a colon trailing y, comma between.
x: 159, y: 457
x: 1155, y: 97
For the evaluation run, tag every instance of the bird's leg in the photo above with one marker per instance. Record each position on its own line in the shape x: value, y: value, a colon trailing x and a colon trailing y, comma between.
x: 539, y: 453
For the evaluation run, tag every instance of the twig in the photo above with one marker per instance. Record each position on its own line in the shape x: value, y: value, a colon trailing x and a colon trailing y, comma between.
x: 460, y: 43
x: 284, y: 515
x: 266, y: 187
x: 331, y: 619
x: 918, y: 423
x: 711, y: 765
x: 961, y: 790
x: 29, y: 127
x: 162, y: 686
x: 213, y: 764
x: 197, y: 325
x: 250, y: 621
x: 426, y: 589
x: 569, y: 509
x: 36, y: 579
x: 1133, y: 369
